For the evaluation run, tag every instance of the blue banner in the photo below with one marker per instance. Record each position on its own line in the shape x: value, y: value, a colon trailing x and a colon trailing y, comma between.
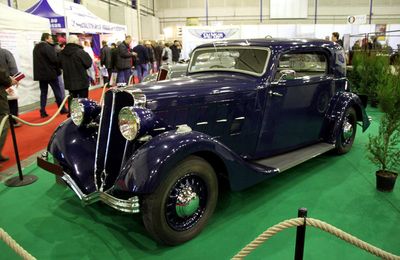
x: 57, y: 22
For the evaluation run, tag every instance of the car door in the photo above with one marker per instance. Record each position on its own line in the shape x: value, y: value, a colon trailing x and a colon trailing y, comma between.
x: 297, y: 99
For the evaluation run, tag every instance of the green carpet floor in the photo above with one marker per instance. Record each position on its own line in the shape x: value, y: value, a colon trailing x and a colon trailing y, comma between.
x: 49, y: 221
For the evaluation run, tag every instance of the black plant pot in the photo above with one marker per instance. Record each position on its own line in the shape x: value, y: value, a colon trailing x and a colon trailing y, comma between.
x: 385, y: 180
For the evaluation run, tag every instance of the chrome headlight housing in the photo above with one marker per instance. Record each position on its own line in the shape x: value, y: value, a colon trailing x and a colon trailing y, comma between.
x: 129, y: 123
x: 84, y: 111
x: 77, y: 112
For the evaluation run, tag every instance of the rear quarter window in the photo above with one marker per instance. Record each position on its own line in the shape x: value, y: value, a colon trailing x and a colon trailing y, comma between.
x: 304, y: 64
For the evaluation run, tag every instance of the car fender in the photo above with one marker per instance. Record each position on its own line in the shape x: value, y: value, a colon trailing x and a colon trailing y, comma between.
x: 149, y: 165
x: 335, y: 113
x: 74, y: 150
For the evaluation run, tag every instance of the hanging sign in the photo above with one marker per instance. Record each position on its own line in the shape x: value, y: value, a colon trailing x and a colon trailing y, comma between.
x: 357, y: 19
x: 57, y: 22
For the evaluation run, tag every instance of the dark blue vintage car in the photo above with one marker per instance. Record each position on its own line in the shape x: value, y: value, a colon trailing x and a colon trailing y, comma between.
x: 248, y: 110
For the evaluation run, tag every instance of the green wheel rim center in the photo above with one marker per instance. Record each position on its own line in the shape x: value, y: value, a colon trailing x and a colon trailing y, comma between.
x: 188, y: 209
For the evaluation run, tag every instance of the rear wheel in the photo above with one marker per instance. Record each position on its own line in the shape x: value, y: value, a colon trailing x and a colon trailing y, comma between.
x: 347, y: 134
x: 181, y: 206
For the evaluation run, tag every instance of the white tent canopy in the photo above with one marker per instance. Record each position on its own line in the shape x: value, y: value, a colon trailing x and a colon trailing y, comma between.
x: 78, y: 19
x: 13, y: 19
x: 18, y: 33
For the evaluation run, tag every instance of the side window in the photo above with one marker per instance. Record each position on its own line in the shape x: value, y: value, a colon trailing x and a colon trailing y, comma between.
x: 308, y: 64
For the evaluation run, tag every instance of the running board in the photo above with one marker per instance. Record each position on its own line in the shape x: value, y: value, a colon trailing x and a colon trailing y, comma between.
x: 288, y: 160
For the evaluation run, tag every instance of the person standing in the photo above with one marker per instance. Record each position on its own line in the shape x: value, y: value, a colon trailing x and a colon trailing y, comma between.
x: 46, y: 70
x: 335, y: 38
x: 124, y: 60
x: 74, y: 62
x: 5, y: 82
x: 8, y: 63
x: 142, y: 60
x: 176, y: 51
x: 166, y: 55
x: 105, y: 60
x: 158, y: 49
x: 91, y: 71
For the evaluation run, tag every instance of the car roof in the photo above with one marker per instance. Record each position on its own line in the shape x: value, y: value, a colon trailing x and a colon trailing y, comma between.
x: 272, y: 42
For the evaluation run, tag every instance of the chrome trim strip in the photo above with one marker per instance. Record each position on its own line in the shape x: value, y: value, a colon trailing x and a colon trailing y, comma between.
x: 130, y: 205
x: 240, y: 118
x: 123, y: 156
x: 108, y: 143
x: 202, y: 123
x: 222, y: 120
x: 97, y: 144
x: 159, y: 129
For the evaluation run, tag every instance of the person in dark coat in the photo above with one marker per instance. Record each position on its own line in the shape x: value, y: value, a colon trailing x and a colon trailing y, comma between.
x: 7, y: 62
x: 158, y: 49
x: 46, y: 70
x: 5, y: 82
x: 150, y: 53
x: 114, y: 57
x: 124, y: 60
x: 105, y: 59
x: 74, y: 62
x: 142, y: 60
x: 335, y: 38
x: 176, y: 51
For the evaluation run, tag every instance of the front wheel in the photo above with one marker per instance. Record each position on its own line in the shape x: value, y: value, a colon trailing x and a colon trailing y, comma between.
x: 181, y: 206
x: 347, y: 134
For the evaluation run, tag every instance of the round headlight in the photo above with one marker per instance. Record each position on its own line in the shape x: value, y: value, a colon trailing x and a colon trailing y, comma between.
x: 77, y: 112
x: 129, y: 123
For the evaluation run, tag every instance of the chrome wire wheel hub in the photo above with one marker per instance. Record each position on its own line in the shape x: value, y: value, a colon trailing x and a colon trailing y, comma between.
x: 347, y: 131
x: 186, y: 202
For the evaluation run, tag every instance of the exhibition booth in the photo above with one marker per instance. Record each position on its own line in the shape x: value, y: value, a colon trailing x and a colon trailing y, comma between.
x: 20, y: 40
x: 70, y: 18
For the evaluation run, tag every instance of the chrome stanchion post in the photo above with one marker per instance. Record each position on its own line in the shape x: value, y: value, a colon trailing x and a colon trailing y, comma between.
x: 18, y: 180
x: 300, y: 235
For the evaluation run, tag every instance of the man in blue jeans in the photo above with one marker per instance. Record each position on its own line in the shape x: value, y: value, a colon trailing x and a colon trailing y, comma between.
x: 142, y: 60
x: 46, y: 70
x: 124, y: 60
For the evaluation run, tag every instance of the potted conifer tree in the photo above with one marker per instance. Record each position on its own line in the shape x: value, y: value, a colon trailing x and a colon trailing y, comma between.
x: 384, y: 147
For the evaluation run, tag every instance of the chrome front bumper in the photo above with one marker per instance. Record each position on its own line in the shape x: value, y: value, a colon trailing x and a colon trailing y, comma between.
x: 130, y: 205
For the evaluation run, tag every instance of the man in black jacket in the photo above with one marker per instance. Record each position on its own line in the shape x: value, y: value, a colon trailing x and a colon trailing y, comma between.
x: 142, y: 60
x: 176, y: 51
x: 105, y: 59
x: 124, y: 60
x: 46, y: 70
x: 5, y: 82
x: 74, y: 62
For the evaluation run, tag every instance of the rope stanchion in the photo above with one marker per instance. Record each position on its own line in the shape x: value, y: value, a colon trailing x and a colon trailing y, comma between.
x: 15, y: 246
x: 29, y: 179
x: 294, y: 222
x: 46, y: 122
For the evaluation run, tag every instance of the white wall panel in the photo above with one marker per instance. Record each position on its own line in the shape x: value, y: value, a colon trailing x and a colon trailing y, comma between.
x: 285, y: 9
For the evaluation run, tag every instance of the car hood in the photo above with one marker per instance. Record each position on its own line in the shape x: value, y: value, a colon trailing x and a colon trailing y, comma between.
x: 198, y: 88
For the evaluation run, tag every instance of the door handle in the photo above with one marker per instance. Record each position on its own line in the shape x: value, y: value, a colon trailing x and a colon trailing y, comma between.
x: 276, y: 94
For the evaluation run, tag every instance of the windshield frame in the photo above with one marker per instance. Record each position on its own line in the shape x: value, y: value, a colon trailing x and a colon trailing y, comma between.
x: 222, y: 48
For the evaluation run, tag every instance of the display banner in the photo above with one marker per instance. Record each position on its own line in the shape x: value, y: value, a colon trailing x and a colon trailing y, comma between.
x: 82, y: 20
x: 57, y: 22
x: 194, y: 36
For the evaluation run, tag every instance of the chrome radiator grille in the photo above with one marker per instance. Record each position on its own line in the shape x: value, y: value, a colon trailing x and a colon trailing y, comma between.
x: 110, y: 143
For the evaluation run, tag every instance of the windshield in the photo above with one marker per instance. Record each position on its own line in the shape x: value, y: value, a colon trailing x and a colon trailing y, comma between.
x: 250, y: 60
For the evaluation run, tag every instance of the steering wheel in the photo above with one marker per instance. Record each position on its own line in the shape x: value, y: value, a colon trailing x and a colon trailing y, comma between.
x: 217, y: 66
